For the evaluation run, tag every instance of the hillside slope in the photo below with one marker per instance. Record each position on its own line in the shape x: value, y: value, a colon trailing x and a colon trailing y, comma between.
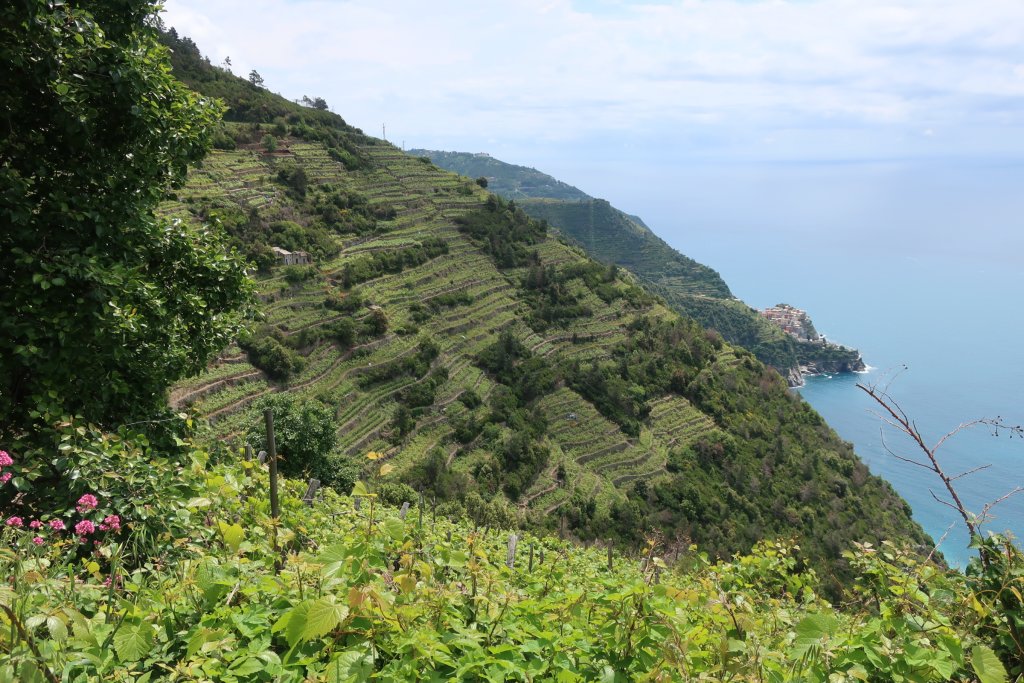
x: 612, y: 236
x: 489, y: 361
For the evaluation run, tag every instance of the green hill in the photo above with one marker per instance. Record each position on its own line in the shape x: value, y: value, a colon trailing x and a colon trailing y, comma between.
x: 612, y: 236
x: 138, y: 546
x: 490, y: 361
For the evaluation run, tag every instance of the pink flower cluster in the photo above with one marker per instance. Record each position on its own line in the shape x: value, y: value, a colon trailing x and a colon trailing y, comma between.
x: 86, y: 503
x: 82, y: 529
x: 5, y: 461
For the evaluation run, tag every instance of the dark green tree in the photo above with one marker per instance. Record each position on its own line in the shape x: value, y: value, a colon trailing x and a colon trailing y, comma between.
x: 103, y: 304
x: 304, y: 431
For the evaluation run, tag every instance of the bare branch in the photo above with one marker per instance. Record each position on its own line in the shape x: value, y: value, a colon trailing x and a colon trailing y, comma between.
x: 944, y: 502
x: 984, y: 516
x: 971, y: 471
x: 940, y: 541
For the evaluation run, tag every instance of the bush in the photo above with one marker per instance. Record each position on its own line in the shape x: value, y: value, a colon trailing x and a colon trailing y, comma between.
x: 304, y: 431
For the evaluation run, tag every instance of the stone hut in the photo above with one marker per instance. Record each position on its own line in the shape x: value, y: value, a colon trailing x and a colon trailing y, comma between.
x: 291, y: 258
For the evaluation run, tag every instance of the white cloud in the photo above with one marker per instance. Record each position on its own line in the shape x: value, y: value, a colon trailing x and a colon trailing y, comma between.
x: 557, y: 71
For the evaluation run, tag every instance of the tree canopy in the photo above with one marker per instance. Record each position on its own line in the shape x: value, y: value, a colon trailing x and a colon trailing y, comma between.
x: 103, y: 303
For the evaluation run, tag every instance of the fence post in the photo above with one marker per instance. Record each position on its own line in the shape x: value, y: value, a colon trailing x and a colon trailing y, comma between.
x: 530, y: 570
x: 404, y: 511
x: 420, y: 525
x: 542, y: 555
x: 314, y: 486
x: 510, y: 559
x: 248, y: 452
x: 275, y: 510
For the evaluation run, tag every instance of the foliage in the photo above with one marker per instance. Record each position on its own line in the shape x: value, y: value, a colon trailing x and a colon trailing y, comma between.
x: 366, y: 595
x: 267, y: 353
x: 303, y: 433
x: 247, y: 101
x: 104, y: 304
x: 503, y: 231
x: 391, y: 261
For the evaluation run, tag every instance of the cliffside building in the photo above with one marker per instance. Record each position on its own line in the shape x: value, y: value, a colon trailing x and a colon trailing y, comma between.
x: 291, y: 258
x: 792, y: 321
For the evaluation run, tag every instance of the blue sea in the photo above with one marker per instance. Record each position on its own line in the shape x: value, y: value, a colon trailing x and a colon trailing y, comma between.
x: 919, y: 265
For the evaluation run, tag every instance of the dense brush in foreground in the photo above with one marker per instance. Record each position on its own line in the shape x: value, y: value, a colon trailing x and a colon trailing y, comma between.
x: 181, y: 582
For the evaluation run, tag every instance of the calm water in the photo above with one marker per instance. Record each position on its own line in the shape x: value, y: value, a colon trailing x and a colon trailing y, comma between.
x: 921, y: 267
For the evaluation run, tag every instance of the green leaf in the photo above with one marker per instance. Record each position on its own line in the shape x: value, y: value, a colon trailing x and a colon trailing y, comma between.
x: 987, y: 666
x: 296, y: 624
x: 322, y: 617
x: 58, y: 629
x: 395, y: 528
x: 133, y: 641
x: 244, y: 667
x: 811, y: 630
x: 233, y: 535
x: 349, y: 667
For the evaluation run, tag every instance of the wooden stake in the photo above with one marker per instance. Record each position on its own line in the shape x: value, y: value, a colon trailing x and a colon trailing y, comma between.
x: 275, y: 510
x: 510, y: 559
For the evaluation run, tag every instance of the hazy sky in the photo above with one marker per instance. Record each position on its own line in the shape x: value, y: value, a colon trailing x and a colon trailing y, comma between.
x: 689, y: 113
x: 714, y: 78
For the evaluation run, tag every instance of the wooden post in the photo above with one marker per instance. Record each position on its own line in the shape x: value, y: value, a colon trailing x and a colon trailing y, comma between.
x: 404, y: 511
x: 420, y: 525
x: 262, y: 458
x: 433, y: 513
x: 530, y: 570
x: 357, y: 503
x: 314, y: 486
x: 275, y: 510
x: 448, y: 536
x: 510, y: 559
x: 248, y: 452
x: 542, y: 555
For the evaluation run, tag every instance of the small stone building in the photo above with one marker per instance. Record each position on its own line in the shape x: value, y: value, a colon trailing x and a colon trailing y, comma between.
x: 291, y: 258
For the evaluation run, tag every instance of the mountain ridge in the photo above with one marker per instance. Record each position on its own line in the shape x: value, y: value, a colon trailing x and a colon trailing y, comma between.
x: 610, y: 235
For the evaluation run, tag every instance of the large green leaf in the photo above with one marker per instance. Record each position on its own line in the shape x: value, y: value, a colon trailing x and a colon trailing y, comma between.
x: 810, y: 632
x: 987, y: 666
x: 322, y: 616
x: 133, y: 641
x: 349, y: 667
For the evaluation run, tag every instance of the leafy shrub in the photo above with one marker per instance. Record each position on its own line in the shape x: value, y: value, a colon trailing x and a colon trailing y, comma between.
x: 304, y: 432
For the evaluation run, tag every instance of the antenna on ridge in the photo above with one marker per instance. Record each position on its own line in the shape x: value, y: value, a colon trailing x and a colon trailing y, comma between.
x: 384, y: 131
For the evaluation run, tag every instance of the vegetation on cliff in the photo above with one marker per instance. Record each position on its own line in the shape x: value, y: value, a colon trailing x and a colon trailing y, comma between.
x: 611, y: 236
x: 490, y: 361
x: 136, y: 549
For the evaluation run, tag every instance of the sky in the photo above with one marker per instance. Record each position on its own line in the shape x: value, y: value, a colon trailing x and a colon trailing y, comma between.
x: 686, y: 112
x: 712, y: 79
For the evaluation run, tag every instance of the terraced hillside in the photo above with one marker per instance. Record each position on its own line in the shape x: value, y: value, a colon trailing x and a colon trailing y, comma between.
x: 495, y: 366
x: 612, y: 236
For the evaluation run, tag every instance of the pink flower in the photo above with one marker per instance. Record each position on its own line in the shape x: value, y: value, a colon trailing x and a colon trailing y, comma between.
x: 57, y: 525
x: 35, y: 524
x: 5, y: 477
x: 5, y: 459
x: 112, y: 522
x: 14, y: 521
x: 84, y: 527
x: 38, y: 540
x: 86, y: 503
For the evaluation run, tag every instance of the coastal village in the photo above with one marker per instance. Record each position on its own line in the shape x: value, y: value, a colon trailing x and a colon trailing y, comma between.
x: 792, y: 321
